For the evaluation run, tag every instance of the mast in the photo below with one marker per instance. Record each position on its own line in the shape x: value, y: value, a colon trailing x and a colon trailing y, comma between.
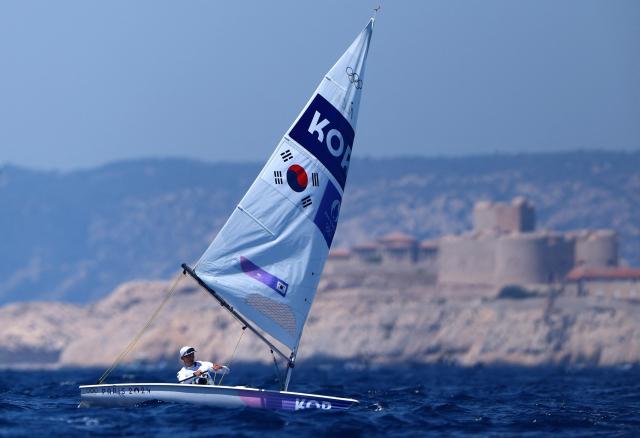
x: 294, y: 351
x: 290, y: 365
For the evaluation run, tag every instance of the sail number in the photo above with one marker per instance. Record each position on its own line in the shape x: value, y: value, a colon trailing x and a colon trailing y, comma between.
x: 120, y: 390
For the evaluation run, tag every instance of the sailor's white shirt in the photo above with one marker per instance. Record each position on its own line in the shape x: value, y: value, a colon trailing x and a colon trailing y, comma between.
x: 185, y: 372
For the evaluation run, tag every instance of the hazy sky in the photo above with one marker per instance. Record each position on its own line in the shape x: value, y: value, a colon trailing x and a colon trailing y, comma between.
x: 83, y: 83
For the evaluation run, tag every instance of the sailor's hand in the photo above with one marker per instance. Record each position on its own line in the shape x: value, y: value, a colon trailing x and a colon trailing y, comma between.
x: 197, y: 373
x: 216, y: 367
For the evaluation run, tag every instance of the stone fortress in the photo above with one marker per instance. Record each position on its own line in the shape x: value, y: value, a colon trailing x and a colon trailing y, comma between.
x: 504, y: 248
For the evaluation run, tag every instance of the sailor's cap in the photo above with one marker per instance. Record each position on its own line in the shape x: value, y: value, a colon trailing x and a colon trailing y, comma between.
x: 186, y: 350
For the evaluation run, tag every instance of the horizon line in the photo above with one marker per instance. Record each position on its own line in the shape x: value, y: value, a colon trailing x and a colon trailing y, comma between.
x: 438, y: 156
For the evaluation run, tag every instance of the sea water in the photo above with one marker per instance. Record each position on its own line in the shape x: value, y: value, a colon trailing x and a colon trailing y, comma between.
x: 433, y: 400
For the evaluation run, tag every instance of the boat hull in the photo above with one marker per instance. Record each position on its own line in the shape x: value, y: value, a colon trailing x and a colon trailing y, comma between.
x: 123, y: 394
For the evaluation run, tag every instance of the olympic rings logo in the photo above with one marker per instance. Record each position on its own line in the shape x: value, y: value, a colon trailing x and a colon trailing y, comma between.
x: 354, y: 78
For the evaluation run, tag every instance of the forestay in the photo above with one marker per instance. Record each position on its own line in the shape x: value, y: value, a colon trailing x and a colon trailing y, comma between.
x: 267, y: 259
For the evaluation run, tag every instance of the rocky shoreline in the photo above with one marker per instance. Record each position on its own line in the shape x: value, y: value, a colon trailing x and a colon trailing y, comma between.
x: 385, y: 321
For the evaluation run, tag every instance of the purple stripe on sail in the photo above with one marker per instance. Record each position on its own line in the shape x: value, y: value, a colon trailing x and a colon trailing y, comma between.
x: 257, y: 273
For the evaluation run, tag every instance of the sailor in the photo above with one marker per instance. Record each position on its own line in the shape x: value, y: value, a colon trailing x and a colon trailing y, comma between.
x: 195, y: 371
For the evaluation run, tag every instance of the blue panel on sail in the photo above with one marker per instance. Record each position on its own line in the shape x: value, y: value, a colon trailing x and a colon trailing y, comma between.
x: 323, y: 131
x: 327, y: 214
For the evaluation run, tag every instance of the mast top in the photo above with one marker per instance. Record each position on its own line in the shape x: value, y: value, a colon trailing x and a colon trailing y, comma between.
x: 375, y: 11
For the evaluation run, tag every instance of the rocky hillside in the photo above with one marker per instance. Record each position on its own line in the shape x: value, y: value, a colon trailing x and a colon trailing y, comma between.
x: 75, y: 236
x: 385, y: 322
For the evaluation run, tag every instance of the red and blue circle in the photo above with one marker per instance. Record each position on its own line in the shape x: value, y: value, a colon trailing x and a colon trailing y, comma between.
x: 297, y: 178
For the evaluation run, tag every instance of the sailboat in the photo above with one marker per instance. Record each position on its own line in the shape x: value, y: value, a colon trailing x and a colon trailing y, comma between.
x: 265, y: 263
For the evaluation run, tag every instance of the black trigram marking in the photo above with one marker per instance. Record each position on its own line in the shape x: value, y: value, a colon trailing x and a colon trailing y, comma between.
x: 286, y: 155
x: 314, y: 179
x: 306, y: 201
x: 277, y: 175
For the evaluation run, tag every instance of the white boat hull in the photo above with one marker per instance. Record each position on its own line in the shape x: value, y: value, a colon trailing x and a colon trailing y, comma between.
x: 123, y: 394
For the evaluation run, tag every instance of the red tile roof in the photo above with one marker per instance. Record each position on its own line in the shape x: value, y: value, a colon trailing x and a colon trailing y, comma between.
x: 398, y: 240
x: 603, y: 274
x: 339, y: 253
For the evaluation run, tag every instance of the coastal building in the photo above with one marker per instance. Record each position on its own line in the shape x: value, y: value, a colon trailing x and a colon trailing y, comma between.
x: 616, y: 282
x: 368, y: 253
x: 398, y: 248
x: 502, y: 248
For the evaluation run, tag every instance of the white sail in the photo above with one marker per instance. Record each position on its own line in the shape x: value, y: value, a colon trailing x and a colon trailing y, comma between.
x: 267, y: 259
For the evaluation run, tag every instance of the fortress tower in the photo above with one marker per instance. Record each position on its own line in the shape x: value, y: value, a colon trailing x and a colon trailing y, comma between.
x: 504, y: 248
x: 500, y: 218
x: 597, y: 248
x: 532, y: 258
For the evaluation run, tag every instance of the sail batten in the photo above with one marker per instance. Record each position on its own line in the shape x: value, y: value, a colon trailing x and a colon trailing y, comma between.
x: 267, y: 259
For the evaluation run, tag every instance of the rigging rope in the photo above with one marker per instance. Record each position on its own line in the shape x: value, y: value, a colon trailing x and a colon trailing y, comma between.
x: 244, y: 328
x: 135, y: 340
x: 275, y: 362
